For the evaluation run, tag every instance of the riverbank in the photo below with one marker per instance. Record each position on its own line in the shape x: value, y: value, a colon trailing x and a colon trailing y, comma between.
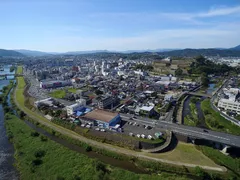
x: 38, y: 156
x: 216, y: 122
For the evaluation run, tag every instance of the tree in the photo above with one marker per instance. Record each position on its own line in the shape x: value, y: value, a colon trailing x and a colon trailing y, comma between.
x: 179, y: 72
x: 22, y: 114
x: 204, y: 79
x: 98, y: 92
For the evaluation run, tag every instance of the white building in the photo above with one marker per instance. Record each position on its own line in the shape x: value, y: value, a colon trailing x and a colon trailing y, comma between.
x: 229, y: 105
x: 72, y: 108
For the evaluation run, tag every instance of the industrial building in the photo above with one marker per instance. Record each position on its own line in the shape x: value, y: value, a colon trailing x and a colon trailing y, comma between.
x: 101, y: 118
x: 54, y: 84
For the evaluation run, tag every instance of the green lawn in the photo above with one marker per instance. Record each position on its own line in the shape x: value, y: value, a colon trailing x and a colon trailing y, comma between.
x: 62, y: 93
x: 73, y: 90
x: 186, y: 153
x: 58, y: 94
x: 216, y: 122
x: 41, y: 158
x: 231, y: 163
x: 191, y: 120
x: 19, y: 70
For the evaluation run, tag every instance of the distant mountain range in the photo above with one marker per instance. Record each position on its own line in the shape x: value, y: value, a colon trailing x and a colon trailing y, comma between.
x: 235, y: 51
x: 10, y: 53
x: 32, y: 53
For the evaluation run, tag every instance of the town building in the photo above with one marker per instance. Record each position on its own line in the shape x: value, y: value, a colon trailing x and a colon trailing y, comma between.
x: 229, y: 105
x: 74, y: 108
x: 107, y: 102
x: 101, y: 118
x: 54, y: 84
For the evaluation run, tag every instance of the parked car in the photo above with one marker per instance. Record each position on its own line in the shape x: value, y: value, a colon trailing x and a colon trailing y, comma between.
x: 97, y: 129
x: 138, y: 135
x: 82, y: 125
x: 103, y: 130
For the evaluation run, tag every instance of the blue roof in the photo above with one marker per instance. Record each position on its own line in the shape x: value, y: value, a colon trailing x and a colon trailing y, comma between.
x: 79, y: 113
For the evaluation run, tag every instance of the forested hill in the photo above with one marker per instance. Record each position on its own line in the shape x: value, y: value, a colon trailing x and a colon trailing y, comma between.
x: 10, y: 53
x: 204, y: 52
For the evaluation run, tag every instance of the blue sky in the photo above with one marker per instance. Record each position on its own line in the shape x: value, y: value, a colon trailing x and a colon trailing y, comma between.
x: 76, y: 25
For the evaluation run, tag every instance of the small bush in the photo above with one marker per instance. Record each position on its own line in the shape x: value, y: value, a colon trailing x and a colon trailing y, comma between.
x: 43, y: 138
x: 88, y: 148
x: 34, y: 134
x: 39, y: 153
x: 36, y: 162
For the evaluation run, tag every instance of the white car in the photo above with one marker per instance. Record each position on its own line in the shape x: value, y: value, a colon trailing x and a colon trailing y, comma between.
x: 143, y: 136
x: 82, y: 125
x: 103, y: 130
x: 138, y: 135
x: 97, y: 129
x: 88, y: 126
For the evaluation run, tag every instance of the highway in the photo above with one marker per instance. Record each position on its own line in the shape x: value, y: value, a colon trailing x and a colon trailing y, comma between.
x: 189, y: 131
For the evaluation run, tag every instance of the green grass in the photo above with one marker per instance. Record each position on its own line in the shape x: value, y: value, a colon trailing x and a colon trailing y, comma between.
x: 72, y: 90
x: 216, y: 122
x: 62, y: 93
x: 38, y: 159
x: 58, y: 94
x: 186, y: 153
x: 193, y: 119
x: 231, y: 163
x: 19, y: 70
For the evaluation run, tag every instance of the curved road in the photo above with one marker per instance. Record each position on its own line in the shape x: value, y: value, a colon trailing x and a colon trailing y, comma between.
x: 105, y: 146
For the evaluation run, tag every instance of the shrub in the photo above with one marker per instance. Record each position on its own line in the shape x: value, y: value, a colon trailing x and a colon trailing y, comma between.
x: 34, y: 134
x: 39, y: 153
x: 88, y: 148
x: 36, y: 162
x: 43, y: 138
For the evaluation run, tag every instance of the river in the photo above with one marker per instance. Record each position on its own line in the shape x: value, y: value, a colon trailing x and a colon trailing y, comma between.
x: 7, y: 169
x: 200, y: 115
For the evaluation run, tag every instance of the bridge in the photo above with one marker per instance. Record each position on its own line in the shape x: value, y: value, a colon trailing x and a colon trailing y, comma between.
x: 199, y: 94
x: 189, y: 131
x: 4, y: 76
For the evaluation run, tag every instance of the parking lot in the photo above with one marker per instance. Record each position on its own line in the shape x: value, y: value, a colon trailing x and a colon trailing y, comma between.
x: 137, y: 128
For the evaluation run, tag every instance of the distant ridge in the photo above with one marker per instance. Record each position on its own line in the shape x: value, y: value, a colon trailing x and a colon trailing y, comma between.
x: 32, y: 53
x: 10, y: 53
x: 236, y: 48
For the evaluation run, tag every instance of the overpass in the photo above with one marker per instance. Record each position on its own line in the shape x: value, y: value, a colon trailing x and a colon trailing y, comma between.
x: 199, y: 94
x: 6, y: 75
x: 189, y: 131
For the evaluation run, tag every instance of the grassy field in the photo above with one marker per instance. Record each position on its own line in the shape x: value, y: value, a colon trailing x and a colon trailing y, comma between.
x: 231, y: 163
x: 19, y: 70
x: 40, y: 158
x: 186, y: 153
x: 216, y: 122
x: 193, y: 119
x: 58, y: 94
x: 62, y: 93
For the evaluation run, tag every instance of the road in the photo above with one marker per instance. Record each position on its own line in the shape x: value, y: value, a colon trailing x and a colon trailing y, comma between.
x: 190, y: 131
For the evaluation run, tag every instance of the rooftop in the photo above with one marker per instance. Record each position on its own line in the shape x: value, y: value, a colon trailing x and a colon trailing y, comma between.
x: 101, y: 115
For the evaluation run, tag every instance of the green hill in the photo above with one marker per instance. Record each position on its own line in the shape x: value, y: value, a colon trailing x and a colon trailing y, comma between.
x: 10, y: 53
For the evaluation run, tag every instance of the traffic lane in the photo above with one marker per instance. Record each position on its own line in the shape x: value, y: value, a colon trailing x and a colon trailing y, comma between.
x: 210, y: 135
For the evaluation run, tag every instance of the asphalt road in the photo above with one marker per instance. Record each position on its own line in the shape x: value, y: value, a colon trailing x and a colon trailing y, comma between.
x: 189, y: 131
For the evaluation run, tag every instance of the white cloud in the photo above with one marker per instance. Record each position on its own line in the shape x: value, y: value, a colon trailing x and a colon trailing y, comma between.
x: 222, y: 11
